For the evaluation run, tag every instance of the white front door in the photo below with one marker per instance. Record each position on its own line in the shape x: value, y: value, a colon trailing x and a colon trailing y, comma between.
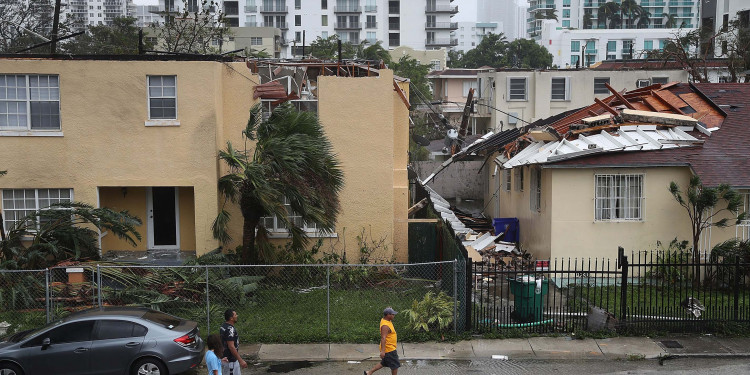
x: 163, y: 218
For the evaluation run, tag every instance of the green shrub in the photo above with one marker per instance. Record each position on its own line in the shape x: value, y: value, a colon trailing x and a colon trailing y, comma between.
x: 433, y: 312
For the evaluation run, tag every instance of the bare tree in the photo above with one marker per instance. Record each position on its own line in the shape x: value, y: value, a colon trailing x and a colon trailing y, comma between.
x: 23, y: 24
x: 192, y: 29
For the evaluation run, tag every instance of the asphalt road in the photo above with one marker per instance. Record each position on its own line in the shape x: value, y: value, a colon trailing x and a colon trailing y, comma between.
x: 713, y: 366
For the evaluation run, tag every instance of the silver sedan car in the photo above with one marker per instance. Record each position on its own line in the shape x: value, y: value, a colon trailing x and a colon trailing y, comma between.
x: 107, y: 340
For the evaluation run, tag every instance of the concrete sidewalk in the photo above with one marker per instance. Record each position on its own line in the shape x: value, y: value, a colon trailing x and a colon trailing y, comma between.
x: 531, y: 348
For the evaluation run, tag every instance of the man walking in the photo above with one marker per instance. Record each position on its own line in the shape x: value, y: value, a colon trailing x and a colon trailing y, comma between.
x: 231, y: 340
x: 388, y: 353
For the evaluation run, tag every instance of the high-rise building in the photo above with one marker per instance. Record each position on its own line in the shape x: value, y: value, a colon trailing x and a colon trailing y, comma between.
x: 85, y: 13
x: 145, y: 15
x: 419, y: 24
x: 717, y: 15
x: 598, y: 14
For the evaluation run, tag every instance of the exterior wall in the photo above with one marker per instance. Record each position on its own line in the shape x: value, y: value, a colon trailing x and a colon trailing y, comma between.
x: 510, y: 15
x: 538, y: 106
x: 369, y: 133
x: 574, y: 233
x: 534, y: 226
x: 425, y: 57
x: 104, y: 141
x: 241, y: 38
x: 722, y: 8
x: 457, y: 180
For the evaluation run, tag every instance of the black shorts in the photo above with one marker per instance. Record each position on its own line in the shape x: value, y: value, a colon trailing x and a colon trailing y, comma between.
x: 391, y: 360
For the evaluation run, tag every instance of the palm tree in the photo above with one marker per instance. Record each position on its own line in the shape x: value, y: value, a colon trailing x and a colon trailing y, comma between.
x: 671, y: 20
x: 587, y: 20
x: 644, y: 19
x: 376, y: 52
x: 293, y: 161
x: 631, y: 9
x: 609, y: 11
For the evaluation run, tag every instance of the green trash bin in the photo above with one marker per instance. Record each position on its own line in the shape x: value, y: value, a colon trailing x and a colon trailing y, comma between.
x: 529, y: 298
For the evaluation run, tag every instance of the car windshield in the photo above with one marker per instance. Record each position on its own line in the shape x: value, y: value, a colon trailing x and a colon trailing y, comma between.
x: 161, y: 318
x: 18, y: 336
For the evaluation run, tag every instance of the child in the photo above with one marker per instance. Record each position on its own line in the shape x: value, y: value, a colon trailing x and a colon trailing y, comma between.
x: 215, y: 350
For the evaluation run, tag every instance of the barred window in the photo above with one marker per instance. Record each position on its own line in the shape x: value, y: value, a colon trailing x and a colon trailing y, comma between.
x: 518, y: 171
x: 600, y: 85
x: 517, y: 88
x: 619, y: 197
x: 535, y: 187
x: 273, y: 224
x: 560, y: 88
x: 506, y: 179
x: 18, y: 203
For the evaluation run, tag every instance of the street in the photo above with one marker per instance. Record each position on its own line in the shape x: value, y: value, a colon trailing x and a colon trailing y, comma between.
x: 715, y: 366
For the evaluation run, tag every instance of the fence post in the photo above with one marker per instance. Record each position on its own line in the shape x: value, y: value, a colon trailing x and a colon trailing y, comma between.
x: 46, y: 295
x: 328, y: 300
x: 624, y: 288
x: 455, y: 295
x: 99, y: 283
x: 736, y: 288
x: 208, y: 306
x: 469, y: 290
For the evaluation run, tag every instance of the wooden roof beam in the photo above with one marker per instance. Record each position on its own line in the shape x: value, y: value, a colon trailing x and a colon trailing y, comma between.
x: 606, y: 107
x: 619, y: 96
x: 666, y: 102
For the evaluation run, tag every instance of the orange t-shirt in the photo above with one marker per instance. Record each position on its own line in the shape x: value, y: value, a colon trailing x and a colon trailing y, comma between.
x: 390, y: 339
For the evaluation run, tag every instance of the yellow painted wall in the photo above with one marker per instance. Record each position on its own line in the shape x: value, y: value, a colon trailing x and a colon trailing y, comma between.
x: 135, y: 202
x: 106, y: 143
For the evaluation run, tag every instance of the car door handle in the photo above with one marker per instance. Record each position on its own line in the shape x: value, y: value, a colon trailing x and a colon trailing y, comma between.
x: 132, y: 344
x: 81, y: 350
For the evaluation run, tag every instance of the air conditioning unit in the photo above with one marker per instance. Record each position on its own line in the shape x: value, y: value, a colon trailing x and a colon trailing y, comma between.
x: 642, y: 83
x: 513, y: 118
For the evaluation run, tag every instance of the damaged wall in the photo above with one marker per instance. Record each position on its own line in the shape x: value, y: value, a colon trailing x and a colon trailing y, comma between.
x: 459, y: 179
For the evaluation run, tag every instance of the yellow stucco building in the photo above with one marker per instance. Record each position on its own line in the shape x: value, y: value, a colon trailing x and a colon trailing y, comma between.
x: 143, y: 135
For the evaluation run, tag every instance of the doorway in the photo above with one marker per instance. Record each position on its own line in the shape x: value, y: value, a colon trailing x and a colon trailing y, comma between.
x: 163, y: 213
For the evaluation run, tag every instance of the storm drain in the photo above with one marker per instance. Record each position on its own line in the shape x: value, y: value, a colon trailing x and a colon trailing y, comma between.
x: 672, y: 344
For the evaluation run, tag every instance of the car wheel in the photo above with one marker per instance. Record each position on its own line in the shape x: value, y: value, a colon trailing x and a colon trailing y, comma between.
x: 10, y: 369
x: 148, y: 366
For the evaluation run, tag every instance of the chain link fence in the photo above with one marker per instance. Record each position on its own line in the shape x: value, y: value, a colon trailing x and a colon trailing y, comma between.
x: 275, y: 303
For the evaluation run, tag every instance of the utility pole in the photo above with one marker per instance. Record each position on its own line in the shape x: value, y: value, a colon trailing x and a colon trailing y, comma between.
x: 55, y: 25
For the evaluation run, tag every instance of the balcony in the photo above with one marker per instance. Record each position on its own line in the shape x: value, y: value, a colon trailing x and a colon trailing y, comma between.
x: 371, y: 8
x: 274, y: 9
x: 394, y: 26
x: 441, y: 26
x: 441, y: 9
x: 449, y: 42
x: 371, y: 25
x: 657, y: 4
x: 685, y: 15
x: 251, y: 24
x: 347, y: 25
x: 251, y: 8
x: 394, y: 10
x: 278, y: 25
x: 681, y: 3
x: 347, y: 9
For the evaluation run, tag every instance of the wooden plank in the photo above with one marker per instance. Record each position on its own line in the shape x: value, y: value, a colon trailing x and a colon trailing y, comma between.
x: 401, y: 94
x: 655, y: 103
x: 606, y: 107
x: 671, y: 100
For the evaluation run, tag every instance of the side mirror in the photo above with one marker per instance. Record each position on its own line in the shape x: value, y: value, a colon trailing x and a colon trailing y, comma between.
x: 45, y: 343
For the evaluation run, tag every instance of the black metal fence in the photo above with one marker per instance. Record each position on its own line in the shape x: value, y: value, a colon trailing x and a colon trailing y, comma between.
x: 643, y: 292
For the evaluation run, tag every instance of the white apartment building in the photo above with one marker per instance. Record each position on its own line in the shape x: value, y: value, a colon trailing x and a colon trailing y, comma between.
x: 717, y: 14
x: 584, y: 14
x: 509, y: 15
x: 145, y: 15
x: 583, y: 48
x: 525, y: 96
x: 419, y: 24
x: 95, y: 12
x: 469, y: 34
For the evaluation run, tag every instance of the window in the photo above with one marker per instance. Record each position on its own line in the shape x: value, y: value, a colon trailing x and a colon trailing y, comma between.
x: 71, y: 332
x: 648, y: 45
x: 662, y: 44
x: 619, y: 197
x: 298, y: 36
x: 324, y: 20
x: 566, y: 3
x: 18, y: 203
x: 435, y: 64
x: 518, y: 171
x: 660, y: 80
x: 118, y: 329
x: 612, y: 46
x: 742, y: 231
x: 162, y: 97
x: 323, y: 4
x: 506, y: 179
x: 371, y: 37
x: 599, y: 85
x: 256, y: 41
x: 560, y: 88
x: 29, y: 102
x: 324, y: 34
x: 297, y: 20
x: 535, y: 198
x: 273, y: 224
x: 566, y: 13
x: 566, y: 23
x: 574, y: 60
x: 467, y: 86
x: 297, y: 4
x: 575, y: 46
x: 517, y: 88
